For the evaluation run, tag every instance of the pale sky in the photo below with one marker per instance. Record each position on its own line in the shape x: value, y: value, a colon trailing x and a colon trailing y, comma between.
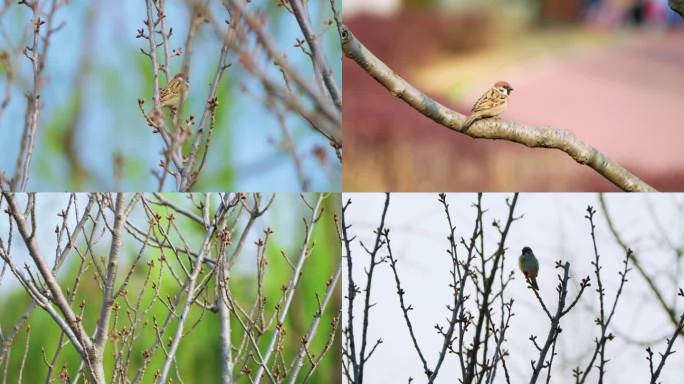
x: 111, y: 121
x: 555, y: 227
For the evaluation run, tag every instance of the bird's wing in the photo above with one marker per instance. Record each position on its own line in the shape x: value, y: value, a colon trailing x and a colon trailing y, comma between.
x: 529, y: 266
x: 172, y: 90
x: 165, y: 93
x: 489, y: 100
x: 534, y: 266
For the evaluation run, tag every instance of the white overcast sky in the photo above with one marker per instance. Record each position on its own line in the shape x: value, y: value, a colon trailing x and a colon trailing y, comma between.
x: 555, y: 227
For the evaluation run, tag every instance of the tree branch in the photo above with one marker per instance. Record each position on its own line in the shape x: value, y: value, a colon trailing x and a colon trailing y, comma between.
x: 73, y: 323
x: 291, y: 288
x: 493, y: 129
x: 668, y: 351
x: 204, y: 251
x: 636, y: 261
x: 554, y: 328
x: 108, y: 294
x: 319, y: 61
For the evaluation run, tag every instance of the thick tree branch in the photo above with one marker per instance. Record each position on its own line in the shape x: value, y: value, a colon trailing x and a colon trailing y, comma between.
x: 531, y: 136
x: 108, y: 294
x: 71, y: 324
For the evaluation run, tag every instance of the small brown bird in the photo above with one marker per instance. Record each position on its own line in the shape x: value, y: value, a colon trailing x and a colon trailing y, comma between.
x: 169, y: 97
x: 171, y: 94
x: 491, y: 104
x: 529, y: 266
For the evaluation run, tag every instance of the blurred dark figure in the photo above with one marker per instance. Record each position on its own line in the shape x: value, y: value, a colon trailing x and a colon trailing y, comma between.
x: 636, y: 13
x: 617, y: 13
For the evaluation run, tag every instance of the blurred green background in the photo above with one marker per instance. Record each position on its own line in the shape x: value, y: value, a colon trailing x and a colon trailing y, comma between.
x: 92, y: 136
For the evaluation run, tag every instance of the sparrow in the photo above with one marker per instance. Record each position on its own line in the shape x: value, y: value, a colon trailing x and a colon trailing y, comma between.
x: 529, y: 266
x: 171, y: 94
x: 491, y: 104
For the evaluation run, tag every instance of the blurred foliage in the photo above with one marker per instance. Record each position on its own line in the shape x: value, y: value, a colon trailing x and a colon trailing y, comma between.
x: 51, y: 164
x: 198, y: 355
x: 420, y: 3
x: 222, y: 177
x: 108, y: 122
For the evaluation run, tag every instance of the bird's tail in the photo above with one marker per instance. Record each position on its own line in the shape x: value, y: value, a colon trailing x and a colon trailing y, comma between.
x: 533, y: 282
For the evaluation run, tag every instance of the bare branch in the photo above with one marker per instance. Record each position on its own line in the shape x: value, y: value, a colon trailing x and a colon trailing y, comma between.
x: 317, y: 57
x: 296, y: 274
x: 562, y: 309
x: 534, y: 137
x: 668, y: 350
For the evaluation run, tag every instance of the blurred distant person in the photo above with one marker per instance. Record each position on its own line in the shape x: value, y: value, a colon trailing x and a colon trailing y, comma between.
x: 609, y: 13
x: 636, y: 13
x: 617, y: 13
x: 653, y: 12
x: 658, y: 12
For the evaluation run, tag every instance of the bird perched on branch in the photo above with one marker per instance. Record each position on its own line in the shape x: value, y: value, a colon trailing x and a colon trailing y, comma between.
x: 491, y: 104
x: 529, y: 266
x: 170, y: 95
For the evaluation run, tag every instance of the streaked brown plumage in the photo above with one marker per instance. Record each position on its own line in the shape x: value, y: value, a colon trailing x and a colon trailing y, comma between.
x: 491, y: 104
x: 171, y: 94
x: 169, y: 97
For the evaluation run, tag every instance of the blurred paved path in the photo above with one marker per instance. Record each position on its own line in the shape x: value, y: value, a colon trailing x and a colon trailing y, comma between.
x: 621, y: 92
x: 624, y: 100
